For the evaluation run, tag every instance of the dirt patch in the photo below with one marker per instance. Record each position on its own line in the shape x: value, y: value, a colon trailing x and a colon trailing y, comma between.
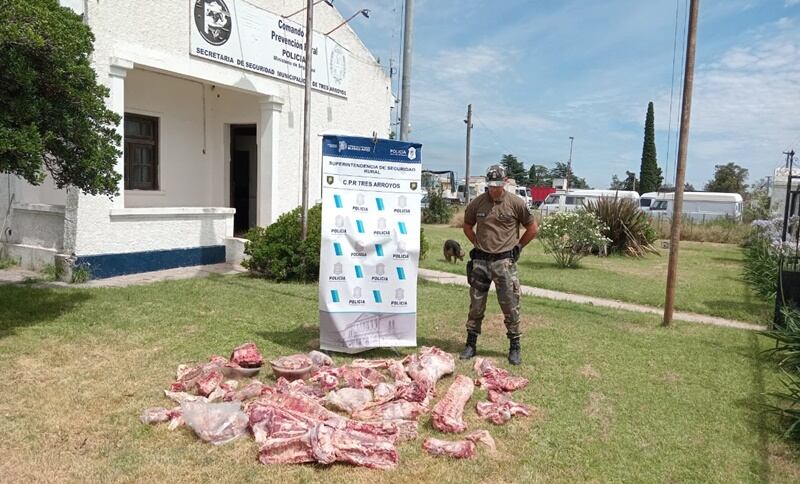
x: 588, y: 372
x: 783, y: 461
x: 671, y: 377
x: 599, y: 409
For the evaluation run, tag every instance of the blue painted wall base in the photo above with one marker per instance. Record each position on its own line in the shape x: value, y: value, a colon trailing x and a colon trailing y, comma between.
x: 110, y: 265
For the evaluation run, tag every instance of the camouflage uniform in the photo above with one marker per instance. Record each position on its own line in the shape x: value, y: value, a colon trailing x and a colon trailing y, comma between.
x: 504, y: 275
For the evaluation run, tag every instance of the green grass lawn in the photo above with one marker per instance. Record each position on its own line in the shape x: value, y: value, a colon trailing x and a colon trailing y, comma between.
x: 621, y: 399
x: 709, y: 276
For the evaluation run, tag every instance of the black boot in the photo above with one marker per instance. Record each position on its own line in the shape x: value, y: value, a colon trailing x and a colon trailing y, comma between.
x: 469, y: 349
x: 513, y: 352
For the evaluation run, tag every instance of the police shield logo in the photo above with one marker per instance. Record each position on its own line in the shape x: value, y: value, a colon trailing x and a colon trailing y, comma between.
x: 213, y: 20
x: 412, y: 153
x: 329, y: 180
x: 342, y: 145
x: 380, y: 269
x: 413, y: 185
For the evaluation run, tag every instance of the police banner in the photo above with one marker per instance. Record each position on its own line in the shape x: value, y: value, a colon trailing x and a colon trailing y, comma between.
x: 242, y: 35
x: 369, y: 243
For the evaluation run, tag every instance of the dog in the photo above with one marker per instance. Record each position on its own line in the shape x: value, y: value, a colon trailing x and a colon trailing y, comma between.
x: 453, y: 251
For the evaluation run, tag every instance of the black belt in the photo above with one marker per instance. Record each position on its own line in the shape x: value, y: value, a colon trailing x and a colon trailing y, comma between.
x: 488, y: 256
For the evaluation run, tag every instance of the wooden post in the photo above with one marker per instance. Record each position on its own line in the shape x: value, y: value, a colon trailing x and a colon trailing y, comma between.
x: 680, y: 175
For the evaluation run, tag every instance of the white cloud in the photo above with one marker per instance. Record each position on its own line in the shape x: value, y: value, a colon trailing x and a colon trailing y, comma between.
x: 790, y: 3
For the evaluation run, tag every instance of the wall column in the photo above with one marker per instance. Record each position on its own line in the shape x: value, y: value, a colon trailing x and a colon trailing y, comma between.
x: 268, y: 159
x: 118, y: 69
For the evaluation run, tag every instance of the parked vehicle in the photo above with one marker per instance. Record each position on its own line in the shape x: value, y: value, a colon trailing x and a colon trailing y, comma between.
x: 568, y: 201
x: 539, y: 194
x: 646, y: 199
x: 700, y: 206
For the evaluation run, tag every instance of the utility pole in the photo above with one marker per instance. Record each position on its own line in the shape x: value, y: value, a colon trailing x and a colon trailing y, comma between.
x: 405, y: 95
x: 680, y: 174
x: 307, y: 113
x: 469, y: 137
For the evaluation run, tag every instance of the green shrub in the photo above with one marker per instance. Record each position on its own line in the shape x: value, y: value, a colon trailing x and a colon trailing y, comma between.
x: 761, y: 268
x: 626, y: 225
x: 787, y: 354
x: 570, y: 236
x: 277, y: 252
x: 438, y: 210
x: 80, y: 274
x: 424, y: 246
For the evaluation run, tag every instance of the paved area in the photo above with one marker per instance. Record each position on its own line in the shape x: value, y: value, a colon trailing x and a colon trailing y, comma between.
x: 448, y: 278
x: 16, y: 275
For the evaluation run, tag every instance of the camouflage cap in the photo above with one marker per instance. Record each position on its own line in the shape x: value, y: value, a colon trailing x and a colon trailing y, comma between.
x: 496, y: 176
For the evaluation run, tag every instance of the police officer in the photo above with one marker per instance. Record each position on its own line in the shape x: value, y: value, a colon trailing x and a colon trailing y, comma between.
x: 492, y: 222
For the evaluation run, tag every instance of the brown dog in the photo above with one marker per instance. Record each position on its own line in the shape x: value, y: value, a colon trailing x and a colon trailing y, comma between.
x: 453, y: 251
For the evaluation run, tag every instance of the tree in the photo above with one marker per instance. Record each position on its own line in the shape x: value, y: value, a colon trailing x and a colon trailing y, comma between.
x: 515, y: 169
x: 629, y: 183
x: 53, y: 117
x: 729, y: 178
x: 539, y: 176
x: 560, y: 171
x: 650, y: 178
x: 688, y: 187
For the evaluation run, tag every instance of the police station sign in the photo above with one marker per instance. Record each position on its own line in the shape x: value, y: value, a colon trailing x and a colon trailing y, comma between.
x: 239, y: 34
x: 369, y: 250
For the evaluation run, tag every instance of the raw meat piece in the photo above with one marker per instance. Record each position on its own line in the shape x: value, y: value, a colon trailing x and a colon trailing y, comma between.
x: 398, y: 372
x: 180, y: 397
x: 357, y: 448
x: 154, y: 415
x: 384, y: 392
x: 429, y: 365
x: 298, y: 386
x: 499, y: 409
x: 293, y: 362
x: 320, y: 359
x: 414, y: 391
x: 252, y: 390
x: 188, y: 377
x: 482, y: 436
x: 216, y: 423
x: 374, y: 364
x: 394, y: 410
x: 349, y: 399
x: 247, y: 356
x: 347, y: 376
x: 448, y: 412
x: 209, y: 382
x: 286, y: 450
x: 326, y: 444
x: 494, y: 378
x: 459, y: 449
x: 218, y: 360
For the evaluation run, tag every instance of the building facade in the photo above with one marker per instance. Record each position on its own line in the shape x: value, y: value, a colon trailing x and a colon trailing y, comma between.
x: 211, y: 95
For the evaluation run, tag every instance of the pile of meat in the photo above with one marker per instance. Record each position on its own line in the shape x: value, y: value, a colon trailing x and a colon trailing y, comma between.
x: 355, y: 413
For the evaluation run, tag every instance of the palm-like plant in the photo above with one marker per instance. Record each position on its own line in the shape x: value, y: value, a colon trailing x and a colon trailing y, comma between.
x: 626, y: 225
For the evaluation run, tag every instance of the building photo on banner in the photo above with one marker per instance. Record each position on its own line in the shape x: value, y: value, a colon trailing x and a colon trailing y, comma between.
x: 370, y: 239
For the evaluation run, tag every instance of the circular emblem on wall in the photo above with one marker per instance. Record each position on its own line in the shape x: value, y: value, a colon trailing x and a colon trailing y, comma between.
x: 338, y: 65
x: 213, y: 20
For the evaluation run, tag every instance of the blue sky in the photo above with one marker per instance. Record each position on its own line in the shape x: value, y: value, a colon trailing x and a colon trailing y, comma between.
x: 538, y: 72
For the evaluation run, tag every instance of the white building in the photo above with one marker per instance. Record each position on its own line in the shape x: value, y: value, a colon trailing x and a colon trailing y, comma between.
x: 212, y: 96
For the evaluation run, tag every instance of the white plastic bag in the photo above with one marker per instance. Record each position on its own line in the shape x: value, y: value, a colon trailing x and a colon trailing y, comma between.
x: 216, y: 423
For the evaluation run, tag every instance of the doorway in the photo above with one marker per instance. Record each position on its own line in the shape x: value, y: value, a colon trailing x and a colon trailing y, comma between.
x: 244, y: 166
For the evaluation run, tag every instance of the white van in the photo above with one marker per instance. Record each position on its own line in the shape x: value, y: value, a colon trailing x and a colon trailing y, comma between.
x: 647, y: 199
x: 568, y: 201
x: 700, y: 206
x: 522, y: 192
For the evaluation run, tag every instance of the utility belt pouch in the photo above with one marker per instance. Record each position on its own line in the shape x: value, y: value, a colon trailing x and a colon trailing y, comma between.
x: 469, y: 272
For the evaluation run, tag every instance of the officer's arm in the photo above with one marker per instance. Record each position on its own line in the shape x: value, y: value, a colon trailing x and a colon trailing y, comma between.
x: 530, y: 232
x: 470, y: 233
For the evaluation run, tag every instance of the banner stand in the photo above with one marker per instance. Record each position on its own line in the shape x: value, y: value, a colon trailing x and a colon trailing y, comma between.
x: 369, y: 251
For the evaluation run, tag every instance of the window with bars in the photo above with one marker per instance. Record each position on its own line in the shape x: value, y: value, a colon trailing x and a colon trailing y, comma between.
x: 141, y: 152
